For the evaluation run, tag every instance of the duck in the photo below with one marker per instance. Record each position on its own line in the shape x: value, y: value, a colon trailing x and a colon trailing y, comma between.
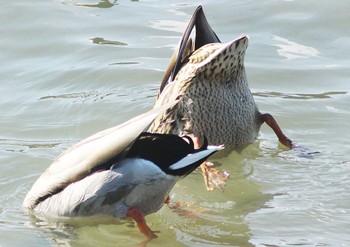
x: 122, y: 172
x: 211, y: 80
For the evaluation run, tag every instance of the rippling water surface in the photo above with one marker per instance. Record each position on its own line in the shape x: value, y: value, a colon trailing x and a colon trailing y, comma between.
x: 72, y: 68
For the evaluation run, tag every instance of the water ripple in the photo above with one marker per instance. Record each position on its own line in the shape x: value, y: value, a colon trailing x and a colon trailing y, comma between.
x: 136, y: 94
x: 17, y: 145
x: 102, y: 4
x: 302, y: 96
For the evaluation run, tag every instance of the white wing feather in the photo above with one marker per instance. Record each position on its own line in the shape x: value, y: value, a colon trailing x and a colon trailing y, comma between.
x: 192, y: 158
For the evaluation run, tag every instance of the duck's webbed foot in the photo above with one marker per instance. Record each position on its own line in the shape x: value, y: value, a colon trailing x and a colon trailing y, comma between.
x: 270, y: 121
x: 138, y: 216
x: 301, y: 151
x: 213, y: 178
x: 180, y: 208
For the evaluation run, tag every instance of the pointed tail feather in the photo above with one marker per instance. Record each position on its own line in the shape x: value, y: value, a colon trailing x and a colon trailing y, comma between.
x: 189, y: 163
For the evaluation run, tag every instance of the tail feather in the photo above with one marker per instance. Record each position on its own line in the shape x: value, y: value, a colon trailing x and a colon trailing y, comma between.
x: 190, y: 162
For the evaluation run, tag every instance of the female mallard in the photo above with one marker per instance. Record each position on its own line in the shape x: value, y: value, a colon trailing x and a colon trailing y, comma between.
x: 119, y: 172
x: 216, y: 101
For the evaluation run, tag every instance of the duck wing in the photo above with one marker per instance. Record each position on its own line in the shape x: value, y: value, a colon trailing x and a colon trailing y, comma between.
x: 204, y: 35
x: 82, y: 158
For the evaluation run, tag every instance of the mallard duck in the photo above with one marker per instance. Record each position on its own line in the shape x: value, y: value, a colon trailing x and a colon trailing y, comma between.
x: 122, y: 172
x: 210, y: 78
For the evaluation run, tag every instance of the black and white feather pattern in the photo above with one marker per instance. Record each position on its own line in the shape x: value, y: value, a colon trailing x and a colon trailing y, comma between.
x: 115, y: 170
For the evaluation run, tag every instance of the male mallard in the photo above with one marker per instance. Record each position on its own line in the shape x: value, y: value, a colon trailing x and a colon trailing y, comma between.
x: 216, y: 101
x: 117, y: 172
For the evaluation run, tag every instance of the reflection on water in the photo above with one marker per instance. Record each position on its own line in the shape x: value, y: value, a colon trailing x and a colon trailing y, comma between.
x: 24, y: 145
x: 79, y: 96
x: 301, y: 96
x: 292, y: 50
x: 57, y: 88
x: 89, y: 231
x: 169, y: 25
x: 102, y: 4
x: 93, y: 96
x: 102, y: 41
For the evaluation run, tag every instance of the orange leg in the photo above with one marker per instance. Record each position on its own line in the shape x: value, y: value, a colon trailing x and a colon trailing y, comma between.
x: 270, y: 121
x: 138, y: 216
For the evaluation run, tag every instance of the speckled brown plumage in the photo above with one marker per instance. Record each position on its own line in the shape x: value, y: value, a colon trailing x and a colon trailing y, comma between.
x: 215, y: 99
x: 211, y: 83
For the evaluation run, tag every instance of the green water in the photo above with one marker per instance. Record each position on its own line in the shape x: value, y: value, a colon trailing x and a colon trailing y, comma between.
x: 72, y: 68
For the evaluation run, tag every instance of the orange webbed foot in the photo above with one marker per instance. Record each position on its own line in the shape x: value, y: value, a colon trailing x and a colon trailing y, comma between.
x: 139, y: 218
x: 301, y: 151
x: 270, y: 121
x: 214, y: 178
x: 179, y: 208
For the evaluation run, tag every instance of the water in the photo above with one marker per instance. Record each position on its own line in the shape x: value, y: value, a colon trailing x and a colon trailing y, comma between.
x: 72, y: 68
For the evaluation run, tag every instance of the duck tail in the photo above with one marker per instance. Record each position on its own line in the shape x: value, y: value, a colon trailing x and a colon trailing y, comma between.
x: 190, y: 162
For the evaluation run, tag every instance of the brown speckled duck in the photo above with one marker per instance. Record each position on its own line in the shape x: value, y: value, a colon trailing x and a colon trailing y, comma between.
x: 215, y: 100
